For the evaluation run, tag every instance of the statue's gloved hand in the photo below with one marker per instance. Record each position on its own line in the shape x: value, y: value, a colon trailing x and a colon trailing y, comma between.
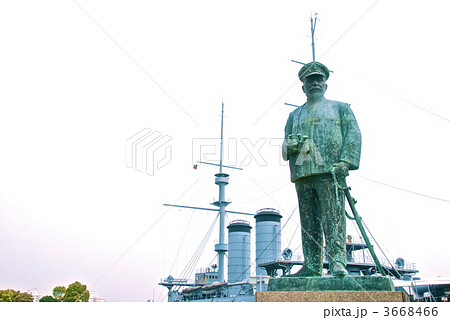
x: 341, y: 169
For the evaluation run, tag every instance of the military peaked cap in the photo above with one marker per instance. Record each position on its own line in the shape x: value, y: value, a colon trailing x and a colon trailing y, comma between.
x: 313, y: 68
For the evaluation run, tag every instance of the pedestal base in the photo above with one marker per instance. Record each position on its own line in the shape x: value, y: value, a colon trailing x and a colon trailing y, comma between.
x: 330, y: 296
x: 331, y: 284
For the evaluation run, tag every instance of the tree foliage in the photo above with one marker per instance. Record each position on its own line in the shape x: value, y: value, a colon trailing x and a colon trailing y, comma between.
x: 75, y: 292
x: 59, y: 292
x: 48, y: 299
x: 10, y: 295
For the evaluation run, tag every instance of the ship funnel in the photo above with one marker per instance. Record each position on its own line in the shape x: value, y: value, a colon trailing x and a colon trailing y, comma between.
x: 268, y: 237
x: 238, y: 251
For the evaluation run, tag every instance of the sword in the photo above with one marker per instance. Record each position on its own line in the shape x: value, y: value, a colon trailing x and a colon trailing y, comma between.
x: 356, y: 217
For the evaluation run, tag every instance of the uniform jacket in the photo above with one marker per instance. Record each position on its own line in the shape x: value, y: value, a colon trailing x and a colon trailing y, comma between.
x: 332, y: 136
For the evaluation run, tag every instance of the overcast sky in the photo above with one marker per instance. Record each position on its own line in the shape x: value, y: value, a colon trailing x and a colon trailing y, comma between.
x: 80, y: 78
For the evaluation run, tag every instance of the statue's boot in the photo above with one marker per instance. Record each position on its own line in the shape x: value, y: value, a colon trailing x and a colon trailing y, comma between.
x: 338, y: 269
x: 306, y: 272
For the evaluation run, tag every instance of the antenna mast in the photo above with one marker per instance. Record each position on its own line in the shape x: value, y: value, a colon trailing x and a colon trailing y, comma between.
x: 222, y: 179
x: 313, y: 44
x: 313, y: 29
x: 221, y: 140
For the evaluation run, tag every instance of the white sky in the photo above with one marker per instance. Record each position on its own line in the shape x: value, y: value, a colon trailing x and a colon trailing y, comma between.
x: 76, y: 83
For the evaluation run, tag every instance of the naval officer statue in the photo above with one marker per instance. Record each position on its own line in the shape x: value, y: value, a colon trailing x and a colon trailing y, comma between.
x: 322, y: 142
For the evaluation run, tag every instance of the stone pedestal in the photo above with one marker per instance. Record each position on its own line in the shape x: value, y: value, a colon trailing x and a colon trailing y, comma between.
x: 330, y: 289
x: 330, y: 296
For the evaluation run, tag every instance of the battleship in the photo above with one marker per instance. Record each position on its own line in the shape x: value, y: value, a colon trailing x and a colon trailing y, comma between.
x: 209, y: 283
x: 245, y: 277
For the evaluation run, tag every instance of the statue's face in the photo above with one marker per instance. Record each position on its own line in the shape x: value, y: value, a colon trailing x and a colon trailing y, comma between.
x: 314, y: 86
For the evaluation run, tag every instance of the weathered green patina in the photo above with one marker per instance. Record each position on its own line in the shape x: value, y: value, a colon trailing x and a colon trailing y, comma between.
x: 320, y: 135
x: 330, y: 135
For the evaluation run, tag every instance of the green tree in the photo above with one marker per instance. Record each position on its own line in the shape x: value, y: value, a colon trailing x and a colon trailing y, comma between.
x: 6, y: 295
x: 10, y: 295
x: 48, y: 299
x: 76, y: 292
x: 59, y: 292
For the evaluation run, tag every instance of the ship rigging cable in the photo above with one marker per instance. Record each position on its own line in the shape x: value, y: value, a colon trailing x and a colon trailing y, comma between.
x: 375, y: 181
x: 401, y: 189
x: 193, y: 262
x: 406, y: 100
x: 181, y: 244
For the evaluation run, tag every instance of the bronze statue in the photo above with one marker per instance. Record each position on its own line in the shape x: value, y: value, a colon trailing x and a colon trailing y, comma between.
x: 322, y: 142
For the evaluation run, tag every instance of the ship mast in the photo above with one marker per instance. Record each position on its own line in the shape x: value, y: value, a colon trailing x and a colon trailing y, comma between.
x: 221, y: 139
x: 313, y: 44
x: 222, y: 179
x: 313, y: 29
